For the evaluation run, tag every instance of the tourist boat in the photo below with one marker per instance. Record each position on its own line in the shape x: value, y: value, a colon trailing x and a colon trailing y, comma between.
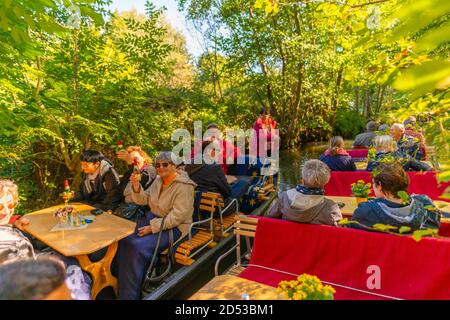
x: 349, y: 260
x: 189, y: 274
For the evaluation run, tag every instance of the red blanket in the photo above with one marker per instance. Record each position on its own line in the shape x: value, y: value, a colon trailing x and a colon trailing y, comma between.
x: 347, y: 257
x: 358, y: 153
x: 421, y: 183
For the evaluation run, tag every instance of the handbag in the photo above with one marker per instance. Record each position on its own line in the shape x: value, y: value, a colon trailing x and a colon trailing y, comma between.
x: 131, y: 211
x: 159, y: 270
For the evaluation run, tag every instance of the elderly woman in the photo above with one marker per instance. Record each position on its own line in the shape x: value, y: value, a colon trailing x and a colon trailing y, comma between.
x: 336, y: 157
x: 132, y: 155
x: 171, y: 196
x: 389, y: 208
x: 15, y: 246
x: 307, y: 203
x: 386, y: 151
x: 13, y: 243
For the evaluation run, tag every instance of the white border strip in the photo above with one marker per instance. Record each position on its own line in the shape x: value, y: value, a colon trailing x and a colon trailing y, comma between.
x: 326, y: 282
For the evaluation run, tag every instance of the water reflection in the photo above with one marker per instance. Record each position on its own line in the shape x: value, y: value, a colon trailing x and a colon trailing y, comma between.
x: 291, y: 161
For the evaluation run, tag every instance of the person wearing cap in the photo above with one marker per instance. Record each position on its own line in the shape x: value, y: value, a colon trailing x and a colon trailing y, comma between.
x: 365, y: 139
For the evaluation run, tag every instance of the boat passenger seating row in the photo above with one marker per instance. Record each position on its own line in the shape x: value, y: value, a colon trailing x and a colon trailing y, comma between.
x: 210, y: 221
x: 420, y: 183
x: 350, y: 260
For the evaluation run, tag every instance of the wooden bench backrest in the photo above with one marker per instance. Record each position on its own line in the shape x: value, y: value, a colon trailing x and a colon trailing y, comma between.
x: 210, y: 201
x: 245, y: 226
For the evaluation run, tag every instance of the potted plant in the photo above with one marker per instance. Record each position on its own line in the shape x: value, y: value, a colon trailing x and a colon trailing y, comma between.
x: 306, y: 287
x: 361, y: 190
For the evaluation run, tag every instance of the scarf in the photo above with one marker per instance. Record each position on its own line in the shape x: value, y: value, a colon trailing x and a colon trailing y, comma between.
x: 339, y: 152
x: 309, y: 191
x: 91, y: 177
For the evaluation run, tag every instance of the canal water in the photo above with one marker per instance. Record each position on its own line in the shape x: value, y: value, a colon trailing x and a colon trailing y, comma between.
x: 292, y: 160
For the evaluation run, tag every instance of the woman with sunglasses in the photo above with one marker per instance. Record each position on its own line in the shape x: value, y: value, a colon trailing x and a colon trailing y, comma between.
x: 171, y: 196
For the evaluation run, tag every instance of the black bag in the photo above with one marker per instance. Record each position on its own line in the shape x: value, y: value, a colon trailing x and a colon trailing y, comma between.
x: 131, y: 211
x: 158, y: 269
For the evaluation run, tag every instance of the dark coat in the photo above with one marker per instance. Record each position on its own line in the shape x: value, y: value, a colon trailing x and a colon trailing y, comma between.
x: 104, y: 193
x: 364, y: 139
x: 410, y: 146
x: 416, y: 214
x: 339, y: 162
x: 209, y: 178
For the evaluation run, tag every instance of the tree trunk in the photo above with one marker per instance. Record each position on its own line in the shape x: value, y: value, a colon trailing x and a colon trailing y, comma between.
x: 261, y: 62
x: 357, y: 90
x: 367, y: 110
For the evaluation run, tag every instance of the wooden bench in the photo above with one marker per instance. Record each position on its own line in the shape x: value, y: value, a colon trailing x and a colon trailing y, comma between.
x: 204, y: 237
x: 210, y: 203
x: 244, y: 226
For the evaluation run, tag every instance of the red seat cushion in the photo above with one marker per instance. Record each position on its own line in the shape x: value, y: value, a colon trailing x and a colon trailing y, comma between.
x: 420, y: 183
x: 358, y: 153
x: 343, y: 257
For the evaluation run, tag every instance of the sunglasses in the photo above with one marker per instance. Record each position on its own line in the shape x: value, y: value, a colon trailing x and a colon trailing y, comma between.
x: 10, y: 206
x: 162, y: 164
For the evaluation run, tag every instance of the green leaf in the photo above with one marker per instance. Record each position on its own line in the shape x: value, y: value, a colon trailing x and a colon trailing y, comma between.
x: 403, y: 195
x: 87, y: 11
x: 346, y: 221
x: 444, y: 176
x: 434, y: 38
x: 423, y: 78
x: 404, y: 229
x: 383, y: 227
x: 419, y: 234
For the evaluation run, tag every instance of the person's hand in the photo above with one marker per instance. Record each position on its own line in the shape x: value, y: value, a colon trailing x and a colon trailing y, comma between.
x: 124, y: 155
x: 134, y: 183
x: 20, y: 223
x: 143, y: 231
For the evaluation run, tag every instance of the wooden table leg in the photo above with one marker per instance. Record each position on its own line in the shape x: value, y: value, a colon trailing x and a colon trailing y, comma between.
x: 100, y: 270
